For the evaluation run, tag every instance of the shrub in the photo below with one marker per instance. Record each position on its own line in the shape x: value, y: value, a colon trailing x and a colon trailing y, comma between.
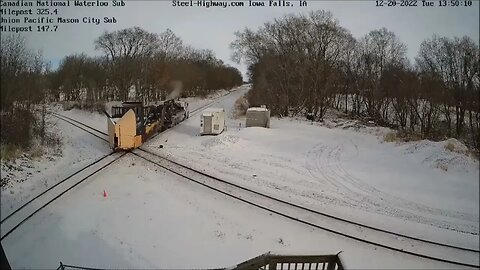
x: 36, y: 151
x: 22, y: 132
x: 450, y: 146
x: 390, y: 137
x: 16, y: 127
x: 10, y: 152
x: 409, y: 136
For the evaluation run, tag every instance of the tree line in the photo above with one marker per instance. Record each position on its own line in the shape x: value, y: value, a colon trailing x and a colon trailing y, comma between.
x: 134, y: 59
x: 307, y: 64
x: 133, y: 64
x: 22, y: 84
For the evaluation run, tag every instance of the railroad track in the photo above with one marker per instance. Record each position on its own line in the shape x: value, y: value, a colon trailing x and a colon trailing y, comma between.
x: 403, y: 243
x: 397, y: 242
x: 193, y: 113
x: 197, y: 110
x: 103, y: 135
x: 22, y: 214
x: 93, y: 131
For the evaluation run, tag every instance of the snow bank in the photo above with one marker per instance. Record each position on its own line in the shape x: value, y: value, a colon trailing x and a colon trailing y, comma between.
x: 445, y: 155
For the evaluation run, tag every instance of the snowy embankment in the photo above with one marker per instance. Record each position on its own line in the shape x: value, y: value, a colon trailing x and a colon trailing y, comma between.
x: 29, y: 177
x: 154, y: 219
x: 26, y: 177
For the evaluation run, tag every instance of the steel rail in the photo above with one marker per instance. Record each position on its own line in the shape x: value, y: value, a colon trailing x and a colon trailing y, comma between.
x: 288, y: 216
x: 58, y: 196
x: 76, y: 121
x: 309, y: 209
x: 52, y: 187
x: 70, y: 121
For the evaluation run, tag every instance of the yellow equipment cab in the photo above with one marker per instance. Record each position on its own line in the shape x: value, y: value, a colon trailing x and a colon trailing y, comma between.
x: 133, y: 123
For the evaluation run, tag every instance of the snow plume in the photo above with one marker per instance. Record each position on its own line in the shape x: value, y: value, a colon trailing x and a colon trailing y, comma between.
x: 177, y: 87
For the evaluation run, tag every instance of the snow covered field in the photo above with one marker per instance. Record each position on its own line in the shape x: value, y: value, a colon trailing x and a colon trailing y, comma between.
x: 154, y: 219
x: 352, y: 174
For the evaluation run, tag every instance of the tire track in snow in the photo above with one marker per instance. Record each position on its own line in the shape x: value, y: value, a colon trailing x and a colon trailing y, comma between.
x: 395, y: 199
x: 328, y: 169
x: 218, y: 185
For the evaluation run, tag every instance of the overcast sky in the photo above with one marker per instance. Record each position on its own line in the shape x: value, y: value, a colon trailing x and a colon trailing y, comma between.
x: 213, y: 28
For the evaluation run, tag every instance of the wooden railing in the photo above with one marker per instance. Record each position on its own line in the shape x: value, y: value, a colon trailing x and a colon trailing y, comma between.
x: 270, y: 262
x: 282, y: 262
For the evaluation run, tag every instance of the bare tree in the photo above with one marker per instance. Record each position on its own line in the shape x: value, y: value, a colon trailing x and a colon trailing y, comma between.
x: 22, y: 83
x: 381, y: 49
x: 124, y: 49
x: 455, y: 62
x: 170, y: 46
x: 21, y: 72
x: 296, y: 59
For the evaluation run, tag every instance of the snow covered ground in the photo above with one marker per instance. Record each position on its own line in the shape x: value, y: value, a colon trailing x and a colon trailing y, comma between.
x: 154, y: 219
x: 349, y: 173
x: 29, y: 178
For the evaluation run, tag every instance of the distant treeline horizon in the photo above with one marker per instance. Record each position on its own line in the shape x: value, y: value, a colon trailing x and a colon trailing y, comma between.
x: 308, y: 64
x: 131, y: 59
x: 297, y: 64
